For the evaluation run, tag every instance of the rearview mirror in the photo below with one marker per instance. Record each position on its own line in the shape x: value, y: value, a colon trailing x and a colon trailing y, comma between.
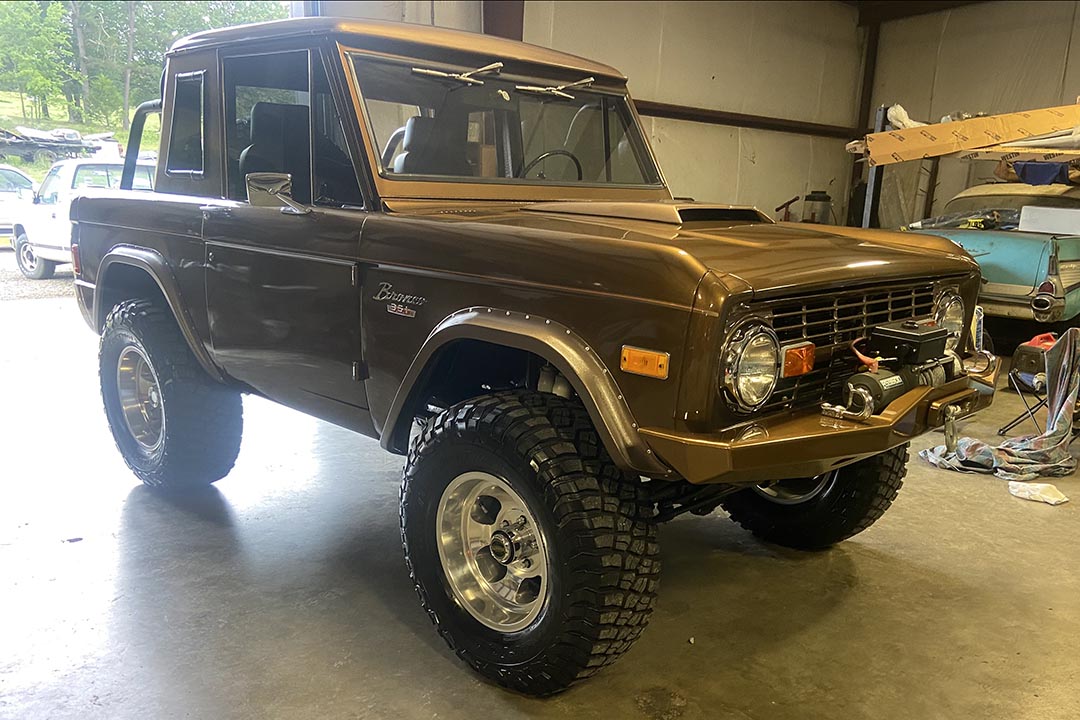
x: 268, y: 189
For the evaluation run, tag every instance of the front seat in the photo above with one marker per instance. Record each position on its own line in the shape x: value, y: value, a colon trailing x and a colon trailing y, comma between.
x: 417, y: 148
x: 279, y: 143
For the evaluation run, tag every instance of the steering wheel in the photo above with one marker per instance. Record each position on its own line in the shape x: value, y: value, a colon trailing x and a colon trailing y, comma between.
x: 545, y: 155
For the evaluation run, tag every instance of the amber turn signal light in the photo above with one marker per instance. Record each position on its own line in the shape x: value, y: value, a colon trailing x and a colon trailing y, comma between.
x: 798, y: 359
x: 649, y: 363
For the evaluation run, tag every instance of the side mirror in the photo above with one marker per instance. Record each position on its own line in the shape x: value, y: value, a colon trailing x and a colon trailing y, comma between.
x: 37, y: 199
x: 268, y: 189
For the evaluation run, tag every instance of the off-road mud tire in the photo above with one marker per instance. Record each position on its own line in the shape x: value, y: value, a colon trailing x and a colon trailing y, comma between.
x: 601, y: 541
x: 861, y: 494
x: 203, y: 420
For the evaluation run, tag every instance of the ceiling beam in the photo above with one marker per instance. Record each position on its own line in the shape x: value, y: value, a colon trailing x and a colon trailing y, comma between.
x: 757, y: 122
x: 872, y: 12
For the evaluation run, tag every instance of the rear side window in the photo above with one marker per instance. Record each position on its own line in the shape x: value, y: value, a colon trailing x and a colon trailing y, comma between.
x: 108, y: 177
x: 94, y: 176
x: 186, y: 137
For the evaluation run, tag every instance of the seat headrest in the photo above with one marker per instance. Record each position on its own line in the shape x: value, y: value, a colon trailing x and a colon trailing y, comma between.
x: 277, y: 121
x: 418, y: 133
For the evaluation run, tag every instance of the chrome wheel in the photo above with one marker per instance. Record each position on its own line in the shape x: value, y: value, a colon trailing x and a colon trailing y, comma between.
x: 140, y: 398
x: 493, y: 551
x: 27, y: 258
x: 794, y: 492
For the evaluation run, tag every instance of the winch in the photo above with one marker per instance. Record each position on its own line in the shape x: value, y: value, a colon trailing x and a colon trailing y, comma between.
x: 899, y: 356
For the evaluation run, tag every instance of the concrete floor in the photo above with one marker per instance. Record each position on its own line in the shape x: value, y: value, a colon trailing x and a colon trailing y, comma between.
x: 281, y: 593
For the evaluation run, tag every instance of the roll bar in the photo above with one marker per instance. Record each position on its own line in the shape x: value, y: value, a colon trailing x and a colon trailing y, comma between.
x: 131, y: 155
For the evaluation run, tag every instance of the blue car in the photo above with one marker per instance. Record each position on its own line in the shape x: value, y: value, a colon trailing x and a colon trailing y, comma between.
x: 1027, y: 276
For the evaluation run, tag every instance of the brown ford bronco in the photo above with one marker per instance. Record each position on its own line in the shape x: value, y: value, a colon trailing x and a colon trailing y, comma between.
x: 463, y: 246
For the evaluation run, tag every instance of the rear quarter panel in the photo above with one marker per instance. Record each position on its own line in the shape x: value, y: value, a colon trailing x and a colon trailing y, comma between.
x: 170, y: 225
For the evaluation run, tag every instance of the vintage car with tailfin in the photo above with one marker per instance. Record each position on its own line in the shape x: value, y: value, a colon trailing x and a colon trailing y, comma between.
x: 1031, y: 276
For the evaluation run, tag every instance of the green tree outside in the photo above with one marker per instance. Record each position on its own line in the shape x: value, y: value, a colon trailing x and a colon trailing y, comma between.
x: 86, y: 64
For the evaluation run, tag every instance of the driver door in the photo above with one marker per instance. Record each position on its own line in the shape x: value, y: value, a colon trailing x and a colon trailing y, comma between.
x: 283, y: 287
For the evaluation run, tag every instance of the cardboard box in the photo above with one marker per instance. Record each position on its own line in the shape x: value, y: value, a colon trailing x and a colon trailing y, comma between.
x: 895, y: 146
x: 1001, y: 152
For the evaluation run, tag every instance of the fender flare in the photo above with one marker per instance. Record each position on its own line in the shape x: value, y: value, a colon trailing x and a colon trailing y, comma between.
x: 565, y: 350
x: 154, y: 265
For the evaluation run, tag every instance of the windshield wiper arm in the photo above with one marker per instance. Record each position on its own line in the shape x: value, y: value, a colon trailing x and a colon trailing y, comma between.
x: 556, y: 90
x: 465, y: 77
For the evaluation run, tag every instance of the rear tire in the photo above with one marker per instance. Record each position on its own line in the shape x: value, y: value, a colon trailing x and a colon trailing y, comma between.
x: 816, y: 513
x: 30, y: 265
x: 595, y: 551
x: 176, y: 428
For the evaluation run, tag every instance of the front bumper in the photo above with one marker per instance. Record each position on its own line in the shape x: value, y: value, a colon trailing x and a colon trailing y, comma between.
x: 809, y: 444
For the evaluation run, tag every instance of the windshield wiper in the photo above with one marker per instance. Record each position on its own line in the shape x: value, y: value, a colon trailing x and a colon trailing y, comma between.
x: 465, y: 77
x: 556, y: 90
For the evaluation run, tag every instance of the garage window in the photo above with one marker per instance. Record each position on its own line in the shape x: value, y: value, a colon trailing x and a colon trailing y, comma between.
x: 187, y: 135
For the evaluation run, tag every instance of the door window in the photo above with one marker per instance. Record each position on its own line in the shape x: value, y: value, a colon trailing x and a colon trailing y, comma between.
x: 50, y: 188
x: 274, y: 121
x: 335, y: 181
x: 267, y: 120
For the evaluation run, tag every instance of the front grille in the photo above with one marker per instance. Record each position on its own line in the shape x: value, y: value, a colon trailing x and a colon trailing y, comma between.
x: 832, y: 321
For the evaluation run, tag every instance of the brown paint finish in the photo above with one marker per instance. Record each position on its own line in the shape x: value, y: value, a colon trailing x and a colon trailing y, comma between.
x: 330, y: 311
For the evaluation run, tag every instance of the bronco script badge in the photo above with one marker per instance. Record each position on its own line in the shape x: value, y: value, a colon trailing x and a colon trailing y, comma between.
x: 398, y: 303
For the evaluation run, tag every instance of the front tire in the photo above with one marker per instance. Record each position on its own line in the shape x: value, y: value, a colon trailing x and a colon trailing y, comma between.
x: 536, y: 569
x: 815, y: 513
x: 30, y: 265
x: 176, y: 428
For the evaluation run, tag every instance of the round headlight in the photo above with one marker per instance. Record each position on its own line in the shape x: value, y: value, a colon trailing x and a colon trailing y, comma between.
x: 751, y: 362
x: 951, y: 315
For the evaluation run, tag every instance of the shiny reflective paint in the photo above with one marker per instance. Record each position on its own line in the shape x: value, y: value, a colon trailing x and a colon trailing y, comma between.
x: 293, y: 307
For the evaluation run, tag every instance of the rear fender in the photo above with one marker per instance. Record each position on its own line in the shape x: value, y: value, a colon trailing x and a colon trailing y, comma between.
x: 155, y: 266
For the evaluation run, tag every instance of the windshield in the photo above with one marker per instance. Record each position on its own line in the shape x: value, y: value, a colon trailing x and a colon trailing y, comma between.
x: 976, y: 203
x: 473, y: 124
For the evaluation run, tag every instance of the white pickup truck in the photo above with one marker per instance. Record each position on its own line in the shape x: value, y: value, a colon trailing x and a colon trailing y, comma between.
x: 43, y: 233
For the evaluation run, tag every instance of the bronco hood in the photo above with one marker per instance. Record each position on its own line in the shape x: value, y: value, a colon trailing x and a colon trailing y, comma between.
x: 739, y: 242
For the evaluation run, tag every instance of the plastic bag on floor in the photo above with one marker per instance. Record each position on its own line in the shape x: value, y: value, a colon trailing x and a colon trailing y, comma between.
x: 1039, y: 492
x: 1028, y: 456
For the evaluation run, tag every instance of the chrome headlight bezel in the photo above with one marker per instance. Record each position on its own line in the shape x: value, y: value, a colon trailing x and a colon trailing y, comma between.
x: 740, y: 339
x: 945, y: 313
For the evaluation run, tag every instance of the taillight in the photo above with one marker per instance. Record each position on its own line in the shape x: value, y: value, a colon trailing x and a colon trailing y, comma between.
x: 75, y: 265
x: 1047, y: 288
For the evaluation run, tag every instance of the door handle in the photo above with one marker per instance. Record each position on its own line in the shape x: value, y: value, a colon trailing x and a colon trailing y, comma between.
x: 208, y: 210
